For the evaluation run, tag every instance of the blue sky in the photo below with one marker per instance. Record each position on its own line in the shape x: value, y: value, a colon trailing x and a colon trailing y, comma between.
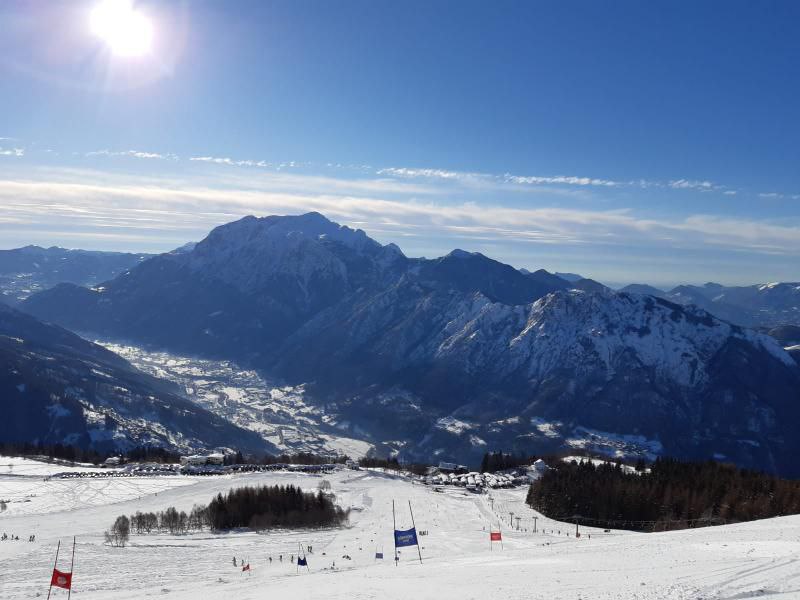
x: 627, y: 141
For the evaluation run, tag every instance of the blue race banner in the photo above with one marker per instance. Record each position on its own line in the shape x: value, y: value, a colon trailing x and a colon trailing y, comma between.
x: 405, y: 538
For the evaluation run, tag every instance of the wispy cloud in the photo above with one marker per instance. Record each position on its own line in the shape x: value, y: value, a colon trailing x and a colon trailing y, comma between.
x: 553, y: 180
x: 134, y: 154
x: 778, y: 196
x: 472, y: 179
x: 686, y: 184
x: 230, y: 162
x: 562, y: 180
x: 171, y: 211
x: 428, y: 173
x: 507, y: 178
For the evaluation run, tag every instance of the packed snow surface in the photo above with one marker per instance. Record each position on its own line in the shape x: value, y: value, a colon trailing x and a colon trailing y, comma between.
x: 736, y: 561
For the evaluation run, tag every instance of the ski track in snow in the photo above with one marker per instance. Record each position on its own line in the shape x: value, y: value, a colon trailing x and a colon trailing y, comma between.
x: 729, y: 562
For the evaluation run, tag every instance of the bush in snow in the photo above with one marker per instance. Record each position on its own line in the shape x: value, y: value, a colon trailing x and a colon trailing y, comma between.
x: 120, y: 532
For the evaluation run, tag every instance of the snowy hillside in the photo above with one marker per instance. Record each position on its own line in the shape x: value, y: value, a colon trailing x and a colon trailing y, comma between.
x: 57, y: 388
x: 734, y: 561
x: 632, y: 366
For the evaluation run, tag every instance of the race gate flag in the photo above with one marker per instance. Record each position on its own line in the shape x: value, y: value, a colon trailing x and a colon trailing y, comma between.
x: 405, y: 538
x: 61, y: 579
x: 246, y: 567
x: 495, y: 536
x: 302, y: 562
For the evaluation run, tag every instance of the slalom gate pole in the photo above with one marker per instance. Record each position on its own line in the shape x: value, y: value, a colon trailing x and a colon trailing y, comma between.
x: 55, y: 564
x: 501, y: 535
x: 394, y: 537
x: 71, y: 568
x: 414, y: 525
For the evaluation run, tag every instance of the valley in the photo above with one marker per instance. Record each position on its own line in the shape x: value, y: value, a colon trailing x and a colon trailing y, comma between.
x: 280, y: 414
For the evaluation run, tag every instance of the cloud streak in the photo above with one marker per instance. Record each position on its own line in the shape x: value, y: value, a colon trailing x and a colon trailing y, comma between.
x: 134, y: 154
x: 467, y: 178
x: 171, y: 212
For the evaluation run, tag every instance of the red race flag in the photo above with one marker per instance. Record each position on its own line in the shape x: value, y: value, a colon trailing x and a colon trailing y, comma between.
x: 495, y: 536
x: 246, y: 567
x: 62, y: 580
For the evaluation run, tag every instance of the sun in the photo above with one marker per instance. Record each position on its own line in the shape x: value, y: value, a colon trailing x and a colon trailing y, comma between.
x: 126, y: 31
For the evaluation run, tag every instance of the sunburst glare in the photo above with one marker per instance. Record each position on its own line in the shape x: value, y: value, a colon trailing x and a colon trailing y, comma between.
x: 126, y: 31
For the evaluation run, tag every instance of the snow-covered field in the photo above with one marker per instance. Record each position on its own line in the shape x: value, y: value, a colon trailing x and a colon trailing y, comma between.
x: 28, y: 486
x: 736, y: 561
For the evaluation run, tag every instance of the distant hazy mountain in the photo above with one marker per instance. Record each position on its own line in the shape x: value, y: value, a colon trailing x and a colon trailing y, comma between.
x: 56, y: 387
x: 551, y: 282
x: 763, y: 305
x: 451, y: 356
x: 639, y: 288
x: 27, y: 270
x: 589, y: 285
x: 571, y: 277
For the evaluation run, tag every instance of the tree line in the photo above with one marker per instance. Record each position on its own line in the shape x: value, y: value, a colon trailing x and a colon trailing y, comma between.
x: 673, y: 494
x: 170, y: 520
x: 154, y: 454
x: 60, y: 451
x: 70, y: 453
x: 267, y: 507
x: 256, y: 508
x: 493, y: 462
x: 392, y: 464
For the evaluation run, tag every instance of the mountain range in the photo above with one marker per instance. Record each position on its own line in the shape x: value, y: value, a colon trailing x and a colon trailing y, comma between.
x: 24, y: 271
x: 452, y: 356
x: 764, y: 305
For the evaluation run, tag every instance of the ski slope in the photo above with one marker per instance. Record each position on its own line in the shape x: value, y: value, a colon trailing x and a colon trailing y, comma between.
x: 737, y: 561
